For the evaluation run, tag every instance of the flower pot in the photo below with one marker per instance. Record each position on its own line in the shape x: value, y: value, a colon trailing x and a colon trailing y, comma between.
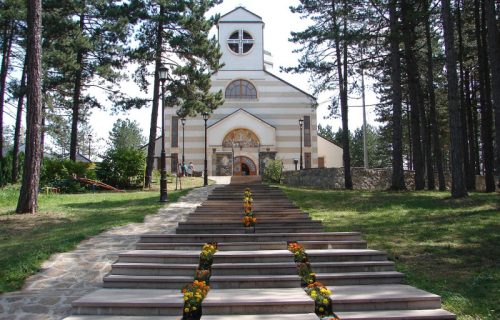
x: 192, y: 315
x: 249, y: 229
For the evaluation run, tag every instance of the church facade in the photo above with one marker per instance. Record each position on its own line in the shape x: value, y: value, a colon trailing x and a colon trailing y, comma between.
x: 259, y: 119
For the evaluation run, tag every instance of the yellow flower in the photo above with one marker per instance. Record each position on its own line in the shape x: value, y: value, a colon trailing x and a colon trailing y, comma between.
x: 186, y: 309
x: 325, y: 301
x: 321, y: 309
x: 194, y: 308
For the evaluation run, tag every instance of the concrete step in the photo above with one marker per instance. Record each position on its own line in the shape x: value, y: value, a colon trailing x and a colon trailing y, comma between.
x: 254, y: 281
x: 253, y: 256
x: 242, y: 246
x: 432, y: 314
x: 161, y: 256
x: 221, y: 208
x: 353, y: 278
x: 236, y: 217
x: 223, y: 246
x: 221, y: 238
x: 257, y: 301
x: 237, y: 213
x: 309, y: 316
x: 153, y: 269
x: 241, y: 269
x: 195, y: 246
x: 352, y: 266
x: 285, y: 229
x: 268, y: 245
x: 146, y: 282
x: 214, y: 224
x: 348, y: 244
x: 337, y: 255
x: 241, y: 230
x: 131, y: 302
x: 382, y: 297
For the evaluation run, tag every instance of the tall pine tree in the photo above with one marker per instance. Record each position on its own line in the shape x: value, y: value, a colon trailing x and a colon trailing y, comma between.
x: 326, y: 45
x: 175, y: 33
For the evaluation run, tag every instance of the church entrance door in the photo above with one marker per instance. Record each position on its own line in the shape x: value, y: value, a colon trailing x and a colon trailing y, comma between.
x: 244, y: 166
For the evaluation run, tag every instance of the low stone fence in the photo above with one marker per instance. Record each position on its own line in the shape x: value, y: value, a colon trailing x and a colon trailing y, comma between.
x: 333, y: 178
x: 362, y: 179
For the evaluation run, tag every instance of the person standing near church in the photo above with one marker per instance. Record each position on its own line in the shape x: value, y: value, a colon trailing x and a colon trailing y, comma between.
x: 190, y: 169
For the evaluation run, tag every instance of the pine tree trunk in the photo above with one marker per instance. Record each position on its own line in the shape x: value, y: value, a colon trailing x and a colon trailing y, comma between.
x: 343, y: 102
x: 494, y: 56
x: 471, y: 170
x: 8, y: 37
x: 414, y: 88
x: 28, y: 196
x: 76, y: 98
x: 458, y: 189
x: 484, y: 99
x: 17, y: 130
x: 436, y: 141
x: 398, y: 178
x: 154, y: 110
x: 469, y: 180
x: 475, y: 122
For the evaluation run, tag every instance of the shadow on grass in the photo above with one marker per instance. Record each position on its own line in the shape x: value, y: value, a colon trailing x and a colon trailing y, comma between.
x: 64, y: 221
x: 446, y: 246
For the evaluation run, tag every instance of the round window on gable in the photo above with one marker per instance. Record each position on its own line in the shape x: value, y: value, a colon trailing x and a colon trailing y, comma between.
x: 240, y: 42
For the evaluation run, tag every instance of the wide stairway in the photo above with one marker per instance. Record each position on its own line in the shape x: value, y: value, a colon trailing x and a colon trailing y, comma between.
x: 254, y: 276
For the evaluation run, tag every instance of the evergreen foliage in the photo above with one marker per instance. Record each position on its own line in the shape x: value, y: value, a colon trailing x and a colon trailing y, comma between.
x: 122, y: 168
x: 273, y: 171
x: 126, y: 134
x: 60, y: 173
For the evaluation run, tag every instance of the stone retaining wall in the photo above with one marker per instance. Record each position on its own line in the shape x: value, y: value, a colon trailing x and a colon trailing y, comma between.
x: 362, y: 179
x: 333, y: 178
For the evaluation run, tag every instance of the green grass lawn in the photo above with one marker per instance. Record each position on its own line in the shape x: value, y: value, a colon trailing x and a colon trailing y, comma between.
x: 63, y: 221
x: 448, y: 247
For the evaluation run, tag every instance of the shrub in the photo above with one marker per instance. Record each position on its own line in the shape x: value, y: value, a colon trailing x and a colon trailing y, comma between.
x: 273, y: 170
x: 59, y: 173
x: 6, y: 168
x: 122, y: 168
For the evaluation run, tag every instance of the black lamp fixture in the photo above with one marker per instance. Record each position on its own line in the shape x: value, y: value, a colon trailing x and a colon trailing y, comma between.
x: 205, y: 168
x: 183, y: 122
x: 301, y: 125
x: 162, y: 76
x: 295, y: 162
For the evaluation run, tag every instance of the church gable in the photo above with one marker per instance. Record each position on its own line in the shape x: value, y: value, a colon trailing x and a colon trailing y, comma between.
x: 241, y: 119
x: 240, y: 14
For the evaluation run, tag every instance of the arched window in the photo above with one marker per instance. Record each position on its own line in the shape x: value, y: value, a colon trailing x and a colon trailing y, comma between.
x: 241, y: 89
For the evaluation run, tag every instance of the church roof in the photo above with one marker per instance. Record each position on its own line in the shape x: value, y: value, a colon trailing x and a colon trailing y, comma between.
x: 241, y: 110
x: 238, y: 18
x: 291, y: 85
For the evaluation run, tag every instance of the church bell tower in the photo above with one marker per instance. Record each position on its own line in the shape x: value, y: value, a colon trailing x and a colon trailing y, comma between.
x: 241, y: 39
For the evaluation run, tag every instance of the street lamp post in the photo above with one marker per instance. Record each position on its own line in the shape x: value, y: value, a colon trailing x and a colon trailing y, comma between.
x: 205, y: 169
x: 183, y: 121
x: 162, y: 76
x: 301, y: 125
x: 90, y: 140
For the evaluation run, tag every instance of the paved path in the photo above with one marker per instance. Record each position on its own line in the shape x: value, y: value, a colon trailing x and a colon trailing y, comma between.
x: 67, y: 276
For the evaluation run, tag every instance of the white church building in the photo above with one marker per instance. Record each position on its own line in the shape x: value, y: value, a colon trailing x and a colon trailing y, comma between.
x: 259, y: 119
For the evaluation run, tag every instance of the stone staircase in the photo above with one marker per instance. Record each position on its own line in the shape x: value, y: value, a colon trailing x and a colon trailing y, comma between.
x: 254, y: 275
